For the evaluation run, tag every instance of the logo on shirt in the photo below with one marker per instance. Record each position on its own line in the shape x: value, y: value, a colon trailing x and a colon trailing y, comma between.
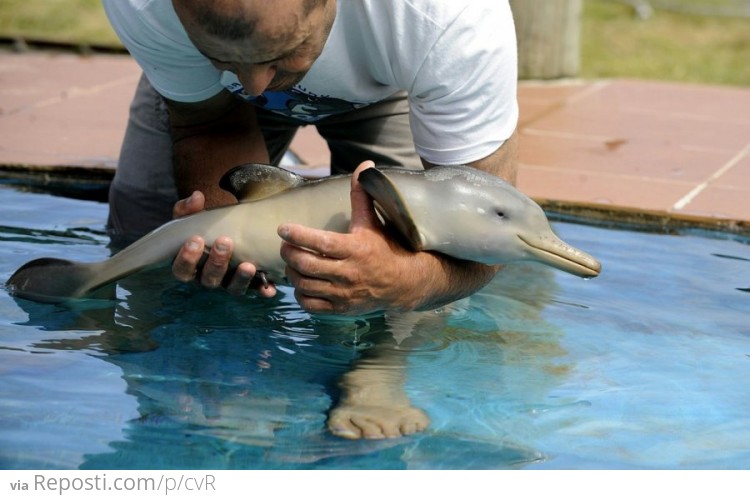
x: 296, y: 103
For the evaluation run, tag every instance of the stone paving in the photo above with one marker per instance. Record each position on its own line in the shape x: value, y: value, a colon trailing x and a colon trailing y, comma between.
x: 615, y: 148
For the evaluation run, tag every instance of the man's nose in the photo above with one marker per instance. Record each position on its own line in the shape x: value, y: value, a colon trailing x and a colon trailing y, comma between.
x: 256, y: 78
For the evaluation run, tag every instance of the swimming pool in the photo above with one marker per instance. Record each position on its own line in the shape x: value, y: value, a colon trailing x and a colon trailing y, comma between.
x: 643, y: 367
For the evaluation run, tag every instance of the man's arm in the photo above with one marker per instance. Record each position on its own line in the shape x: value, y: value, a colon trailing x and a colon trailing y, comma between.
x: 463, y: 278
x: 209, y: 138
x: 503, y: 163
x: 365, y: 270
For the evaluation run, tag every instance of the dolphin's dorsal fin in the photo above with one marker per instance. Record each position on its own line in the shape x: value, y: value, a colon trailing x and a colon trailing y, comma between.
x: 391, y: 205
x: 252, y: 182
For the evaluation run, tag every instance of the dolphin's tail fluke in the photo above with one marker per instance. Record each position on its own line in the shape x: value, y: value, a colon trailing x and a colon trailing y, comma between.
x: 52, y: 280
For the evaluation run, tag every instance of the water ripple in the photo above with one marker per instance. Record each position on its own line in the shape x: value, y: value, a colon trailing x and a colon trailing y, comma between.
x: 71, y: 236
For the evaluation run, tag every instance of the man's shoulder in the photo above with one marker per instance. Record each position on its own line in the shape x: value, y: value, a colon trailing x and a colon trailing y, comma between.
x: 146, y: 23
x: 439, y: 12
x: 148, y: 11
x: 154, y: 36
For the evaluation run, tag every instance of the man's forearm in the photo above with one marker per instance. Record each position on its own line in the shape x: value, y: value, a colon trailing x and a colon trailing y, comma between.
x: 201, y: 160
x: 454, y: 279
x: 211, y: 139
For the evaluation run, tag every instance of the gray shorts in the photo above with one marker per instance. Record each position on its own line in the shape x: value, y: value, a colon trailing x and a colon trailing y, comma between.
x: 143, y: 191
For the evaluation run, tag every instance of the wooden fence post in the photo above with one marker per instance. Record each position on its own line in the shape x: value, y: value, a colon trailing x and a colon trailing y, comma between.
x: 549, y: 38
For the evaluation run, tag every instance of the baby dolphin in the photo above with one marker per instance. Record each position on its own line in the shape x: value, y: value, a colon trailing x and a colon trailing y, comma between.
x: 455, y: 210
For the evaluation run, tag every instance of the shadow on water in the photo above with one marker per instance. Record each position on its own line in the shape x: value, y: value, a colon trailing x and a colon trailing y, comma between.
x: 226, y: 382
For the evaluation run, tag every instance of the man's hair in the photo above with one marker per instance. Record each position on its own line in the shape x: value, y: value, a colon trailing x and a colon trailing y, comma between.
x: 228, y: 20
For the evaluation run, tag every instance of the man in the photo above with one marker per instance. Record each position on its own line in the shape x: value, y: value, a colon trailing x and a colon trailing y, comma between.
x: 416, y: 83
x: 344, y: 66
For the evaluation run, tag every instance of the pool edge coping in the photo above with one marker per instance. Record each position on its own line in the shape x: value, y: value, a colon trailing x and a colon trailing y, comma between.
x: 605, y: 215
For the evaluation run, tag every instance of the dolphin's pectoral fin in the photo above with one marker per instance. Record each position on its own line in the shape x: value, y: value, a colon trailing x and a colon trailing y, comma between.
x: 391, y: 205
x: 252, y: 182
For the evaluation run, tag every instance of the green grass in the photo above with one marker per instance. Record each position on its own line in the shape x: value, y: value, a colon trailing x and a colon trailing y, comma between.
x: 615, y: 43
x: 80, y: 22
x: 668, y: 46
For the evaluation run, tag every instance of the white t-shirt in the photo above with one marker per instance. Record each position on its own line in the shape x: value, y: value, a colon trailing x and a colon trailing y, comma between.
x: 456, y: 59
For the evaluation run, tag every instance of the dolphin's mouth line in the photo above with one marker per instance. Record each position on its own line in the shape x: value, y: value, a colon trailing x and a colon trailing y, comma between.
x: 556, y: 253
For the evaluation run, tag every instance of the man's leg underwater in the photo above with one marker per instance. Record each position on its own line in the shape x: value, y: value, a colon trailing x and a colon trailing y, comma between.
x: 373, y: 403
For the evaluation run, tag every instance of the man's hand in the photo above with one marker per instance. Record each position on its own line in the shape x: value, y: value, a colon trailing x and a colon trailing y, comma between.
x: 359, y: 272
x: 187, y: 265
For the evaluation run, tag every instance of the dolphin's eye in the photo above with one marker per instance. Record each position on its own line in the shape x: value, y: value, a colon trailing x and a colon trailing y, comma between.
x: 500, y: 214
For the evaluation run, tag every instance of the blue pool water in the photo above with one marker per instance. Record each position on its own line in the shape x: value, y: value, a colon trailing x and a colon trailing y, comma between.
x: 646, y: 366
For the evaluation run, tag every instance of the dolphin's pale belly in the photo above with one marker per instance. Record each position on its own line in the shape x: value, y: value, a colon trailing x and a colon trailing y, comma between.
x: 253, y: 226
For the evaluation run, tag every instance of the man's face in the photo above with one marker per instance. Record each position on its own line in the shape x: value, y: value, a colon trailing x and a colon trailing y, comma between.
x: 277, y: 53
